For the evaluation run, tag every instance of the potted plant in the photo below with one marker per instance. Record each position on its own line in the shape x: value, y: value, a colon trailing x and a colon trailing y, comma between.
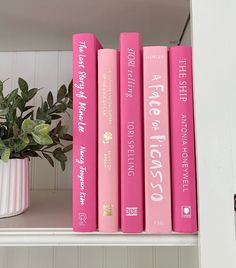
x: 27, y: 131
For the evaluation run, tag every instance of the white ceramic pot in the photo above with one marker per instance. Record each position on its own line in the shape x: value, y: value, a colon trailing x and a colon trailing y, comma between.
x: 14, y: 187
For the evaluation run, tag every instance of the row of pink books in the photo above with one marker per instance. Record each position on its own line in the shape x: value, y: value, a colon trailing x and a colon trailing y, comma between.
x: 133, y: 129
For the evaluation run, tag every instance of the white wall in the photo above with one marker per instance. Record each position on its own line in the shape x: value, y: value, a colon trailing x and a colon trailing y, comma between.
x: 98, y: 257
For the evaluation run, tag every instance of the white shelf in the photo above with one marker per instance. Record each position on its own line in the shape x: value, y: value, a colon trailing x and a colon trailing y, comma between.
x: 65, y: 237
x: 48, y: 222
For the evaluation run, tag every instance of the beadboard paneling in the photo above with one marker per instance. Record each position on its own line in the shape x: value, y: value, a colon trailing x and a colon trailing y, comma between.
x: 92, y: 257
x: 65, y: 257
x: 40, y: 257
x: 98, y: 257
x: 48, y: 70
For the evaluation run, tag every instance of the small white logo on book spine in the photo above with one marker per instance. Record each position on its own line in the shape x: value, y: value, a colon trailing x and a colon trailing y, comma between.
x: 131, y: 211
x: 186, y: 211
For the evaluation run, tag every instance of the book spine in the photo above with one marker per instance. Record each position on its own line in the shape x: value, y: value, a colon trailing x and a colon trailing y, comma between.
x: 182, y: 140
x: 85, y: 48
x: 108, y: 140
x: 157, y: 140
x: 131, y: 134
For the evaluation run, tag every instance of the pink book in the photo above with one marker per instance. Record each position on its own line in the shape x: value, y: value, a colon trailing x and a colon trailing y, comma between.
x: 85, y: 48
x: 182, y: 140
x: 108, y: 140
x: 157, y: 140
x: 131, y: 137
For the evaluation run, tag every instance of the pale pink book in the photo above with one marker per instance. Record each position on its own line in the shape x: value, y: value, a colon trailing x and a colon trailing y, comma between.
x: 108, y: 172
x: 182, y: 140
x: 157, y: 140
x: 85, y: 48
x: 131, y: 133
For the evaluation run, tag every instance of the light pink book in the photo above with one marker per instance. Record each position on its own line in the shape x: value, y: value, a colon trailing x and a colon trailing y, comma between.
x: 108, y: 140
x: 182, y: 140
x: 85, y: 48
x: 131, y: 133
x: 157, y: 140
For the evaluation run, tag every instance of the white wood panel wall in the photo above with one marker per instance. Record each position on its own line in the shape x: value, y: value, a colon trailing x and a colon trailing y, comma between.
x: 98, y: 257
x: 49, y: 70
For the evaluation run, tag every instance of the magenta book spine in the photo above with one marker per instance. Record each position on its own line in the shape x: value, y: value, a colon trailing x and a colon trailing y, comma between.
x: 157, y: 140
x: 182, y: 140
x: 108, y: 209
x: 85, y: 48
x: 131, y: 133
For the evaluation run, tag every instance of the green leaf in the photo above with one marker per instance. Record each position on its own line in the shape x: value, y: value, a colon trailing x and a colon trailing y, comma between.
x: 61, y: 93
x: 3, y: 132
x: 21, y: 104
x: 23, y: 85
x: 26, y: 108
x: 28, y: 125
x: 67, y: 148
x: 4, y: 111
x: 39, y: 121
x: 70, y: 104
x: 49, y: 158
x: 56, y: 129
x: 22, y: 143
x: 60, y: 108
x: 28, y: 115
x: 67, y: 137
x: 31, y: 153
x: 34, y: 146
x: 63, y: 165
x: 2, y: 145
x: 63, y: 131
x: 40, y: 115
x: 70, y: 90
x: 12, y: 115
x: 16, y: 101
x: 45, y: 107
x: 42, y: 139
x: 12, y: 95
x: 59, y: 155
x: 55, y: 116
x: 41, y: 129
x: 31, y: 93
x: 6, y: 154
x: 50, y: 99
x: 16, y: 130
x: 1, y: 87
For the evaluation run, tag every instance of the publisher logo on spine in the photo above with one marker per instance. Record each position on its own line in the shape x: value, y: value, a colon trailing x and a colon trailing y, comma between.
x: 107, y: 210
x: 131, y: 211
x: 82, y: 219
x: 186, y: 211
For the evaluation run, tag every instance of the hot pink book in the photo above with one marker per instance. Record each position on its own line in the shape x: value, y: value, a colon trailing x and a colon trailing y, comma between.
x: 108, y: 140
x: 85, y: 48
x: 182, y: 140
x: 157, y: 140
x: 131, y: 133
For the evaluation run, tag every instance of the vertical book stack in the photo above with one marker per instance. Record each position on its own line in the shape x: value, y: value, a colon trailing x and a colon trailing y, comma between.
x: 133, y: 129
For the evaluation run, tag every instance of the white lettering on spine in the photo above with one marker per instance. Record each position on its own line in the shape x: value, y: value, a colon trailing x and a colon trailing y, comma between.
x: 155, y: 149
x: 184, y: 152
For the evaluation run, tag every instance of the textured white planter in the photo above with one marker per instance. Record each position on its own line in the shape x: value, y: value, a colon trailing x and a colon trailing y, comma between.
x: 14, y: 187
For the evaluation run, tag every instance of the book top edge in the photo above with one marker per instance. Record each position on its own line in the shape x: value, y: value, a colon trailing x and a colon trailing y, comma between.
x: 180, y: 48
